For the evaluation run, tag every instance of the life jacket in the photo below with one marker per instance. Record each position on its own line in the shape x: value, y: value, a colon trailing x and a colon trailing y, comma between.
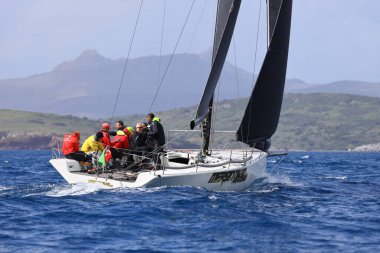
x: 70, y: 143
x: 121, y: 140
x: 105, y: 140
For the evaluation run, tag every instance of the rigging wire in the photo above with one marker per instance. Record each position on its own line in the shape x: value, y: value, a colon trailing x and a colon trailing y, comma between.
x: 197, y: 26
x: 171, y: 57
x: 236, y: 70
x: 273, y: 170
x: 170, y: 100
x: 127, y: 60
x: 162, y: 38
x: 254, y: 67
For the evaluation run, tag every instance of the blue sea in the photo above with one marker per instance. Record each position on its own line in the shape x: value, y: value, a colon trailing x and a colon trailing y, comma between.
x: 311, y: 202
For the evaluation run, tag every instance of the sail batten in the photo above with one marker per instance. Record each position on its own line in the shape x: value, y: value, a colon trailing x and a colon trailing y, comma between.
x: 262, y: 114
x: 228, y: 10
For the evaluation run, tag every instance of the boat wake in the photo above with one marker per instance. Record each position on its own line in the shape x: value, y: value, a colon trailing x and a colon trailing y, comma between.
x: 272, y: 183
x: 75, y: 190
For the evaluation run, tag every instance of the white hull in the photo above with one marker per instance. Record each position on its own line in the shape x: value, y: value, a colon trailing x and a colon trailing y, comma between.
x: 220, y: 172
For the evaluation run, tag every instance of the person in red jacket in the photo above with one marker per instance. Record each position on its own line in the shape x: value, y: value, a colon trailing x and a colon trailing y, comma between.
x: 105, y: 140
x: 70, y: 148
x: 121, y: 140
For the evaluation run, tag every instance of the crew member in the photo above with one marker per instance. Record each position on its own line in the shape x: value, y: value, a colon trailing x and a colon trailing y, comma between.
x: 70, y: 148
x: 106, y: 138
x: 139, y: 137
x: 93, y: 144
x: 156, y: 131
x: 121, y: 140
x: 156, y: 136
x: 119, y: 125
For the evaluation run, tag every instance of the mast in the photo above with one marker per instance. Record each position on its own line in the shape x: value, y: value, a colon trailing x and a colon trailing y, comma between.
x: 225, y: 23
x: 262, y: 114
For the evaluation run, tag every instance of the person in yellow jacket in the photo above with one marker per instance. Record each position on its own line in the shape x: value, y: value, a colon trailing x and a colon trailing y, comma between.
x: 93, y: 143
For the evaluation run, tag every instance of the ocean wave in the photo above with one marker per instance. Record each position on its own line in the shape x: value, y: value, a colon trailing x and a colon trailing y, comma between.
x: 138, y: 189
x: 75, y: 189
x: 305, y: 157
x: 212, y: 197
x: 282, y: 180
x: 5, y: 188
x: 335, y: 177
x: 269, y: 190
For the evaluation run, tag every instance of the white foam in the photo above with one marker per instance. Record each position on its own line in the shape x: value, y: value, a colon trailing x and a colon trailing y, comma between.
x: 4, y: 188
x: 282, y: 179
x: 267, y: 190
x: 305, y: 157
x: 337, y: 177
x: 75, y: 189
x: 139, y: 189
x: 212, y: 197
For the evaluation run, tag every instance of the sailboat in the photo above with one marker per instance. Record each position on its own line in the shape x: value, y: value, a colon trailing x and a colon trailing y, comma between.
x: 219, y: 170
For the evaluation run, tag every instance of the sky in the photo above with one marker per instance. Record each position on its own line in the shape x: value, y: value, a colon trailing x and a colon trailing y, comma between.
x: 331, y: 40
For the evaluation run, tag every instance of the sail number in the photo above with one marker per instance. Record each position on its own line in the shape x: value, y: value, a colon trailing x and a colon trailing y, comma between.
x: 234, y: 177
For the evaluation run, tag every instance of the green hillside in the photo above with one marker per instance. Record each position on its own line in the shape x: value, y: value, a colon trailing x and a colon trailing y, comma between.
x: 328, y: 122
x: 316, y: 121
x: 44, y: 124
x: 308, y: 122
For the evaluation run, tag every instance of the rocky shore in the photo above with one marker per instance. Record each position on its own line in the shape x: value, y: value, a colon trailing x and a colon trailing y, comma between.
x: 368, y: 148
x: 16, y: 141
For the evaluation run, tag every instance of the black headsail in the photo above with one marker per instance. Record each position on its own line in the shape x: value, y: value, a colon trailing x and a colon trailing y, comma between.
x: 227, y: 14
x: 263, y: 110
x: 222, y: 14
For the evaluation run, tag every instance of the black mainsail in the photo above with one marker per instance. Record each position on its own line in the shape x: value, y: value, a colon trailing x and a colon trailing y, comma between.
x: 226, y: 18
x: 273, y: 9
x: 262, y: 114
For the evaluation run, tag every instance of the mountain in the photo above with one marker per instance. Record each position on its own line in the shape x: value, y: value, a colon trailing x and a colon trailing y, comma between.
x: 87, y: 85
x: 346, y: 87
x: 308, y: 122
